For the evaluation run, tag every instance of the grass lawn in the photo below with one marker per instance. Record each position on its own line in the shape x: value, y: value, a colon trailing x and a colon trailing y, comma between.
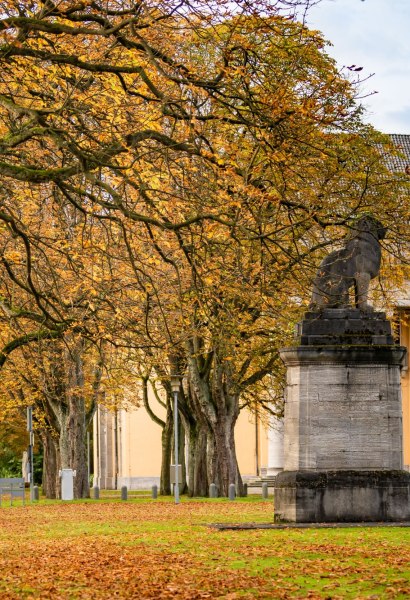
x: 147, y: 548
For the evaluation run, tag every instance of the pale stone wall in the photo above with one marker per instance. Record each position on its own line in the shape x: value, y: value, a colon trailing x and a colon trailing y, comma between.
x: 341, y: 416
x: 127, y: 447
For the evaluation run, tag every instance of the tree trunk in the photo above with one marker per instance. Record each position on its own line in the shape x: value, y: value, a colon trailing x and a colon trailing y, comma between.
x: 198, y: 484
x: 51, y: 464
x: 217, y: 405
x: 211, y: 461
x: 64, y: 439
x: 70, y: 413
x: 77, y: 421
x: 78, y: 445
x: 183, y: 487
x: 166, y: 439
x: 67, y: 415
x: 195, y: 435
x: 226, y: 465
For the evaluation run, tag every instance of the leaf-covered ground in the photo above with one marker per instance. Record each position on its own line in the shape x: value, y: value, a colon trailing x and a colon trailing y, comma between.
x: 153, y: 549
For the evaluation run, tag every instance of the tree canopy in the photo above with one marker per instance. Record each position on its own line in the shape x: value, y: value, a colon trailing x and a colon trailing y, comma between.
x: 171, y: 173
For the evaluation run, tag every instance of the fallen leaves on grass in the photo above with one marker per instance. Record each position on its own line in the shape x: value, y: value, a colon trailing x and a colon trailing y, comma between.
x: 158, y: 550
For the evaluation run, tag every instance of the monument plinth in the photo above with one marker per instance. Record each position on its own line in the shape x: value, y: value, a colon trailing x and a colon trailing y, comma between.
x: 343, y: 422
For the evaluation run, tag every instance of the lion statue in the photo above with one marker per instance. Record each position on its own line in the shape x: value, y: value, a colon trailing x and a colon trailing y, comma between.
x: 354, y: 265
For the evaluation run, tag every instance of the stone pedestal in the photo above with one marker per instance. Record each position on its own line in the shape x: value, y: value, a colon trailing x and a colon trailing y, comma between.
x: 343, y: 422
x: 342, y: 496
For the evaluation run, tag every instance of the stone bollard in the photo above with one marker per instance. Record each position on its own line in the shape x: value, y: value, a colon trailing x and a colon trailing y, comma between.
x: 213, y: 491
x: 232, y: 493
x: 96, y: 492
x: 245, y: 490
x: 36, y: 493
x: 265, y: 490
x: 154, y: 492
x: 124, y: 493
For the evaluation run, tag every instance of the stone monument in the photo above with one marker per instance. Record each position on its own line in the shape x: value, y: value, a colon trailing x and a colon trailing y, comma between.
x: 343, y: 420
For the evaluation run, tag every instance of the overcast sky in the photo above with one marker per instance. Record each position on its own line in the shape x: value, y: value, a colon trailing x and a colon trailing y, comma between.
x: 373, y: 34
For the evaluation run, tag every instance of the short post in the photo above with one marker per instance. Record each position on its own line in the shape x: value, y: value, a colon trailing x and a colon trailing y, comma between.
x: 96, y: 492
x: 154, y: 492
x: 124, y: 492
x: 265, y: 490
x: 213, y: 493
x: 232, y: 492
x: 36, y: 493
x: 245, y: 490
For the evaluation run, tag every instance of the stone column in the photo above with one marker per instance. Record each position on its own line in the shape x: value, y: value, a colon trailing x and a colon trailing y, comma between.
x: 275, y: 446
x: 343, y: 422
x: 104, y: 446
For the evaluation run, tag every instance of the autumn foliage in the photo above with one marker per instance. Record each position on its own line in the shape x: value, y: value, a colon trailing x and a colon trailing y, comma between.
x: 171, y: 174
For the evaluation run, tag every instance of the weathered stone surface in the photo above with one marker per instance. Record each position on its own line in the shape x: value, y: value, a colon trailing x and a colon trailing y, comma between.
x: 343, y: 422
x: 342, y: 496
x: 335, y: 327
x: 343, y: 355
x: 343, y: 409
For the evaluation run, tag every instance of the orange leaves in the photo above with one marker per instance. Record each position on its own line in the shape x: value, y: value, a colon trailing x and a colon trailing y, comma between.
x: 191, y: 169
x: 149, y: 550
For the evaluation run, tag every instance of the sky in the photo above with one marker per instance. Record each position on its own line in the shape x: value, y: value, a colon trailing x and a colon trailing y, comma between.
x: 375, y: 35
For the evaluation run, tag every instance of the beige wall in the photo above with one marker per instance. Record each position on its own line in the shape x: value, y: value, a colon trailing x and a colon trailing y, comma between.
x: 246, y: 441
x: 140, y: 442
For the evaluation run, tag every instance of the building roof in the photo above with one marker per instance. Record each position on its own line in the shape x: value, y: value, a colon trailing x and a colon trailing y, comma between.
x: 400, y: 163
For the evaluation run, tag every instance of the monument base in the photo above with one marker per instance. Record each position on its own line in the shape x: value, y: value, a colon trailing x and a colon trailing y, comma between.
x: 341, y: 496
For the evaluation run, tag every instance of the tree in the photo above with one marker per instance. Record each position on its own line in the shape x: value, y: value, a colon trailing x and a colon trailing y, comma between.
x: 53, y: 286
x: 217, y: 151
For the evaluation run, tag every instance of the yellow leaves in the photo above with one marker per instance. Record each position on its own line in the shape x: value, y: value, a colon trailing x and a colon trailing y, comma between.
x: 13, y: 256
x: 245, y: 162
x: 208, y: 280
x: 97, y: 546
x: 278, y: 157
